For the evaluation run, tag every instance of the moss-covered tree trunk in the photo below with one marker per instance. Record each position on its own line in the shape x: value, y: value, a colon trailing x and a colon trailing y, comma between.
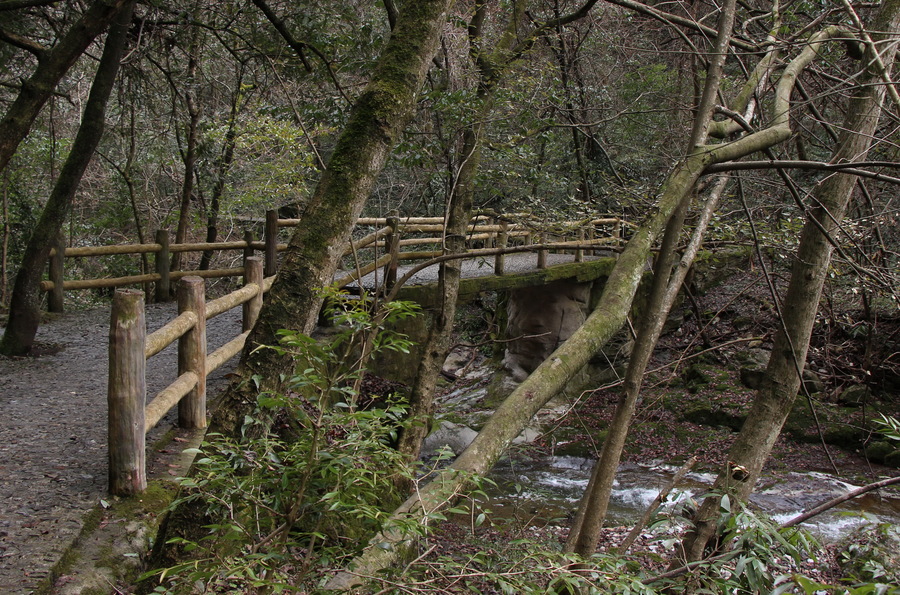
x: 25, y: 302
x: 377, y: 119
x: 514, y: 414
x: 773, y: 402
x: 585, y: 533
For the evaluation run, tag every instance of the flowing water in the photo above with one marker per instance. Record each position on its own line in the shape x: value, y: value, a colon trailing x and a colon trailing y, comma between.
x: 542, y: 488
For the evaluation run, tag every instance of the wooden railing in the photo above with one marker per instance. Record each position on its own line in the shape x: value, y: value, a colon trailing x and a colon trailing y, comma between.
x: 394, y: 239
x: 130, y: 347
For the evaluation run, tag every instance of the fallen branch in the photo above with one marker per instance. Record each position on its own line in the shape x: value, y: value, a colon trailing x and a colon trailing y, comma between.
x: 839, y: 500
x: 660, y: 498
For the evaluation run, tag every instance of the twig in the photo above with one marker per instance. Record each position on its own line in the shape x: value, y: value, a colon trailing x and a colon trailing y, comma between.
x: 839, y: 500
x: 660, y: 497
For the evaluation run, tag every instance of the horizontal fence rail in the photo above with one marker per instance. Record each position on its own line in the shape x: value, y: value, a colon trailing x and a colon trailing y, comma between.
x: 390, y: 241
x: 130, y: 348
x: 377, y: 242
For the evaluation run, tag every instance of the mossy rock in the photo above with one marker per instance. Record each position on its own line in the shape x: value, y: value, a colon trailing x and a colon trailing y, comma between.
x: 709, y: 414
x: 878, y: 451
x: 892, y: 459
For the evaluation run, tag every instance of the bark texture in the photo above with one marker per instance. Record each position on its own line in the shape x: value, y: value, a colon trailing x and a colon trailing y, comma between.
x: 774, y: 401
x: 24, y: 308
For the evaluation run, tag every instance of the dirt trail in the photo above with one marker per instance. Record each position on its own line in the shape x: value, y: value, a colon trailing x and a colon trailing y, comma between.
x: 53, y: 434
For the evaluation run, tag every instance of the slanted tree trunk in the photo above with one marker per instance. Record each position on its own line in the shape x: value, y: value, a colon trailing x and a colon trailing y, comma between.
x: 459, y: 212
x: 314, y: 251
x: 514, y: 414
x: 223, y: 166
x: 774, y: 401
x: 24, y: 311
x: 52, y: 66
x: 585, y: 532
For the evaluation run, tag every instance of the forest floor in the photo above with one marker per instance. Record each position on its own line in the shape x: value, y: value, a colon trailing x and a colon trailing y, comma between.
x: 53, y: 456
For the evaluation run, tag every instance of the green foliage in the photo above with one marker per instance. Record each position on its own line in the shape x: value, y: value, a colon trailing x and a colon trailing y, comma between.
x: 890, y: 427
x: 310, y: 490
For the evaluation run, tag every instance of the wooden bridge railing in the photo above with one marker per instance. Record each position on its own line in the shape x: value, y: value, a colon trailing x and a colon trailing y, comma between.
x: 130, y: 346
x: 390, y: 242
x: 129, y: 349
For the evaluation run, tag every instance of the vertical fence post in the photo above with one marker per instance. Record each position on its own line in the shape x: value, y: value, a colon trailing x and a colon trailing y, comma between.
x: 590, y: 238
x: 502, y: 240
x: 164, y: 285
x: 55, y: 301
x: 192, y: 352
x: 126, y: 392
x: 253, y: 273
x: 392, y: 244
x: 248, y: 249
x: 542, y: 254
x: 271, y: 238
x: 579, y: 252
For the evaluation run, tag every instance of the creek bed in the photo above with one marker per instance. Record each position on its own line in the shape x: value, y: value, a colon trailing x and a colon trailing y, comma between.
x: 541, y: 489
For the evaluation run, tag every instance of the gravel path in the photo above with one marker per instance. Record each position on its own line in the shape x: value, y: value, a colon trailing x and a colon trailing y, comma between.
x: 53, y: 434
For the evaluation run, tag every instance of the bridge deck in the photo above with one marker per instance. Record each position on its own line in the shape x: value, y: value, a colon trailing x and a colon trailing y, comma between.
x: 520, y: 270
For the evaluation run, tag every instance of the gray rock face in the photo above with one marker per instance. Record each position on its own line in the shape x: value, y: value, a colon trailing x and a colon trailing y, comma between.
x: 539, y: 320
x: 454, y: 436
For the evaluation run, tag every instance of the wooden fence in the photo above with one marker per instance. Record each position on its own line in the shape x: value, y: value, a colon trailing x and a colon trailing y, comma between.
x: 394, y: 239
x: 130, y: 347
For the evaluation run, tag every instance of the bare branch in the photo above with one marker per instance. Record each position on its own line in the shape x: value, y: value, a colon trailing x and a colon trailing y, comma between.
x: 844, y: 168
x: 23, y: 43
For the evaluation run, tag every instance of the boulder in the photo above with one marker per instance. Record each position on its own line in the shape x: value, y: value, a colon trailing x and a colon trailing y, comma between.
x: 855, y: 395
x: 454, y: 436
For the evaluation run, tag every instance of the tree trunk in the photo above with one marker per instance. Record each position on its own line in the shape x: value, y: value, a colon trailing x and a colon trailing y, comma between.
x: 189, y: 157
x: 459, y: 213
x: 775, y: 400
x: 224, y: 164
x: 585, y: 533
x: 514, y: 414
x: 52, y: 66
x: 24, y: 312
x: 376, y: 121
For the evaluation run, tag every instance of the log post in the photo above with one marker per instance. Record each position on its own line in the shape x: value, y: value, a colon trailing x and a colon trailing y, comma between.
x: 164, y: 285
x: 542, y: 254
x: 271, y: 239
x: 248, y: 249
x: 126, y: 393
x: 55, y: 301
x: 253, y: 273
x: 192, y: 352
x: 502, y: 240
x: 392, y: 244
x: 579, y: 252
x: 590, y: 237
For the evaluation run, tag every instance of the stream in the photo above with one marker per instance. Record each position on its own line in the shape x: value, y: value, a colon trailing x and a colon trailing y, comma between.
x: 543, y: 488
